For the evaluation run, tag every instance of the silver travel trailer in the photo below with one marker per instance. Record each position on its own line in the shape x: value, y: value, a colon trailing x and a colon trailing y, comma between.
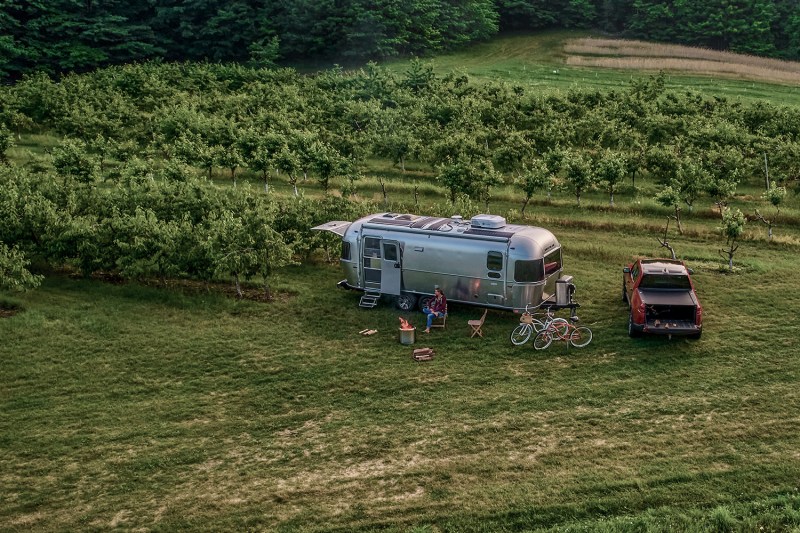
x: 482, y: 261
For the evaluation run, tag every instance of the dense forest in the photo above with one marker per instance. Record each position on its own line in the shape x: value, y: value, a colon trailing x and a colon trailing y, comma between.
x: 66, y: 35
x: 128, y: 187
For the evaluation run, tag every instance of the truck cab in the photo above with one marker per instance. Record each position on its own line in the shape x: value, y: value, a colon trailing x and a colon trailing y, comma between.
x: 661, y: 297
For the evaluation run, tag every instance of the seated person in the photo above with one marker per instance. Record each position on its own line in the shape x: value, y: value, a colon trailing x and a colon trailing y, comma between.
x: 436, y: 308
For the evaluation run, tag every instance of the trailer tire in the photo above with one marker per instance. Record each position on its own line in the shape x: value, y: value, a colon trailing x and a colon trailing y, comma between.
x: 405, y: 302
x: 633, y: 331
x: 424, y: 302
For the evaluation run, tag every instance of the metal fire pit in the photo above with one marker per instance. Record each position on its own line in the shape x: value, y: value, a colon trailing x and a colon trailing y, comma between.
x: 407, y: 335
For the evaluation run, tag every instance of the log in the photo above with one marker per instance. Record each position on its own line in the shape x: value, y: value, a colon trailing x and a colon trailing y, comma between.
x: 423, y: 351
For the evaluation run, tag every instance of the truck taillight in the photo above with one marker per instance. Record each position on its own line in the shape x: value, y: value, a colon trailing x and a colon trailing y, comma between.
x: 698, y: 316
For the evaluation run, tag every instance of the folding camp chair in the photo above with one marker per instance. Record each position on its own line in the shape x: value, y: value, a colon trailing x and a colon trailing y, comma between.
x: 476, y: 325
x: 435, y: 323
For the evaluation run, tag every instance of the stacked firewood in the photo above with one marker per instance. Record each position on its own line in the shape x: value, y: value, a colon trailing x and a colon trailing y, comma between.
x: 423, y: 354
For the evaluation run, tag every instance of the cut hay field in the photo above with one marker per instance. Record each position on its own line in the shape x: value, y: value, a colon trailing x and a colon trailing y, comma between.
x: 561, y: 60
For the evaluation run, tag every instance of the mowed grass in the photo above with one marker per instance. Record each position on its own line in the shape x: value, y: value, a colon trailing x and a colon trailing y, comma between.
x: 142, y: 408
x: 561, y: 60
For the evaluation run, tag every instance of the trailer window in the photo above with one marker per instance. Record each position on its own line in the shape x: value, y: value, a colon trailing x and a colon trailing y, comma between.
x: 372, y: 247
x: 552, y: 262
x: 494, y: 261
x: 528, y: 270
x: 346, y: 250
x: 390, y: 251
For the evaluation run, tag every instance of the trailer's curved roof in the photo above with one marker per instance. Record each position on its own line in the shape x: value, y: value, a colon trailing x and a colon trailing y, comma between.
x: 455, y: 226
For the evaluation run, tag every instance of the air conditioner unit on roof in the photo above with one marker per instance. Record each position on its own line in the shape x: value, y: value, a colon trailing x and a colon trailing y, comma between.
x: 488, y: 221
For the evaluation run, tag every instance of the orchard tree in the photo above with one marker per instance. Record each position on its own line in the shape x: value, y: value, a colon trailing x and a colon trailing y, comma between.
x: 456, y: 177
x: 670, y: 197
x: 732, y: 228
x: 775, y: 196
x: 328, y: 163
x: 690, y: 180
x: 531, y: 179
x: 6, y: 142
x: 72, y: 161
x: 485, y: 177
x: 149, y: 246
x: 578, y: 173
x: 14, y: 273
x: 288, y: 162
x: 514, y: 148
x: 610, y: 171
x: 724, y: 169
x: 662, y: 163
x: 241, y: 243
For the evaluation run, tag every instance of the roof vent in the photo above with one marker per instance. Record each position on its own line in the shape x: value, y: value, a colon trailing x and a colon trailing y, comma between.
x: 488, y: 221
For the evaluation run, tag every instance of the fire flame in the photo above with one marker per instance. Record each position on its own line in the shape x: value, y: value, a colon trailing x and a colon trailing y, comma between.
x: 404, y: 324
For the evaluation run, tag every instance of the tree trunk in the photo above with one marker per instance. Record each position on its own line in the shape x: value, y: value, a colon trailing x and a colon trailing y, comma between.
x: 267, y: 292
x: 611, y: 200
x: 238, y: 286
x: 403, y: 163
x: 524, y: 205
x: 678, y: 220
x: 265, y: 173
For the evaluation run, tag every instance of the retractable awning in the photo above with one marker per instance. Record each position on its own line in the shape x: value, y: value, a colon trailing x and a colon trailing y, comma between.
x: 335, y: 226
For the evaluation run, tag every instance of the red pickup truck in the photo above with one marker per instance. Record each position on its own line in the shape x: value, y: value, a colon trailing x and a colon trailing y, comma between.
x: 661, y: 297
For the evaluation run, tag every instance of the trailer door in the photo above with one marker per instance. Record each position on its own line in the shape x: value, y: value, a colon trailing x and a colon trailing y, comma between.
x: 391, y: 270
x: 495, y: 274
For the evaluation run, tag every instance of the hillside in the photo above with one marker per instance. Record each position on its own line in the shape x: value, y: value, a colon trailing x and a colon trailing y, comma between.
x: 562, y: 60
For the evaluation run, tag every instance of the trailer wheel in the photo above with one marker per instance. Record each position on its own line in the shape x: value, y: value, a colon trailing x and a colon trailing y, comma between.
x: 632, y: 331
x: 405, y: 302
x: 424, y: 302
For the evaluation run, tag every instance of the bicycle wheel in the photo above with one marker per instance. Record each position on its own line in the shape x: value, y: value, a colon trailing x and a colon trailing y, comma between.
x: 580, y: 337
x: 521, y: 334
x: 543, y: 340
x: 559, y: 329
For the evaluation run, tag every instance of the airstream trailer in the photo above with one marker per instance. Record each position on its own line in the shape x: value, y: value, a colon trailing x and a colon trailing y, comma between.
x: 483, y: 261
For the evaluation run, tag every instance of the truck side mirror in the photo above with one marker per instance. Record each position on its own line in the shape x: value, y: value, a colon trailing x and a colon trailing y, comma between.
x: 626, y: 270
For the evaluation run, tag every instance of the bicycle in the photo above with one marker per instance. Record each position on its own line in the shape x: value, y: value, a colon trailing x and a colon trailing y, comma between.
x: 578, y: 336
x: 529, y: 323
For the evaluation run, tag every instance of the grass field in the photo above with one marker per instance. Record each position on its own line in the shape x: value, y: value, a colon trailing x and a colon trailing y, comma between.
x: 136, y: 407
x: 126, y: 406
x: 563, y: 60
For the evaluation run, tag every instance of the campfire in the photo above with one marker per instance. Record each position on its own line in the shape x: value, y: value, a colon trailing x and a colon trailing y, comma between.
x: 404, y: 324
